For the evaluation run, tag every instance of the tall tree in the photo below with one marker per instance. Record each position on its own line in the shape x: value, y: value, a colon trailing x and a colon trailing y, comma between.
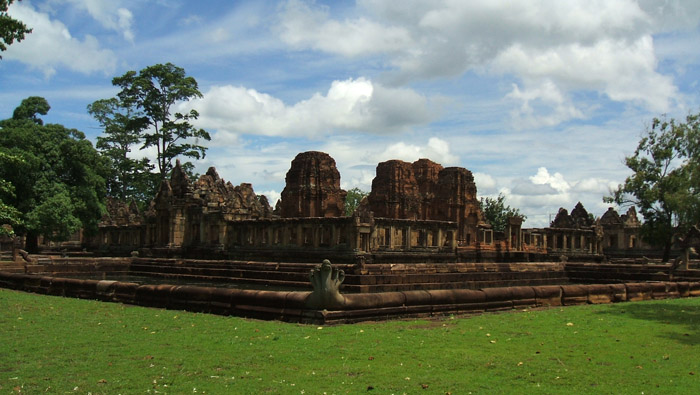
x: 154, y: 92
x: 10, y: 29
x: 353, y: 199
x: 57, y: 180
x: 665, y: 180
x: 128, y: 178
x: 10, y: 217
x: 497, y: 213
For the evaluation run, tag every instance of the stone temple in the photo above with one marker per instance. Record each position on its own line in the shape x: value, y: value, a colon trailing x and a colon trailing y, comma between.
x: 418, y: 245
x: 415, y: 212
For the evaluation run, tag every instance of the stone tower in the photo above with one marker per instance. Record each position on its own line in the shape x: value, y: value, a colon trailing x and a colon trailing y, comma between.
x: 425, y: 190
x: 312, y: 188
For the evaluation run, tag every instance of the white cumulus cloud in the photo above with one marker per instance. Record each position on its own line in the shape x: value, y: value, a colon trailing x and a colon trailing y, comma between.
x: 436, y: 149
x: 350, y: 105
x: 110, y: 14
x: 51, y: 45
x: 550, y: 46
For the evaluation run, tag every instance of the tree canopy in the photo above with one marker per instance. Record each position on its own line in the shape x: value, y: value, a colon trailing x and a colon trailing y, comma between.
x: 53, y: 177
x: 353, y: 199
x: 127, y: 178
x: 665, y: 180
x: 10, y: 29
x: 9, y: 216
x: 497, y: 213
x: 151, y: 95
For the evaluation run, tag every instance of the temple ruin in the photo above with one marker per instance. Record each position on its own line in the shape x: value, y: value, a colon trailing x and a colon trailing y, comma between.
x: 415, y: 212
x: 417, y: 246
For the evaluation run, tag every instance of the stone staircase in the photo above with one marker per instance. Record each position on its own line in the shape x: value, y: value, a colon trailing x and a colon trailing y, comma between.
x: 369, y: 278
x: 408, y: 277
x: 593, y: 273
x: 627, y: 271
x: 263, y: 274
x: 10, y: 266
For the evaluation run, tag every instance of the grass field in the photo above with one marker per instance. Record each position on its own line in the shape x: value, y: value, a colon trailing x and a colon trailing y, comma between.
x: 61, y: 345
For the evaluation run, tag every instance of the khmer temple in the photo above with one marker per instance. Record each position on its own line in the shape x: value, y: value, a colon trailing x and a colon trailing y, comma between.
x: 418, y: 245
x: 415, y: 212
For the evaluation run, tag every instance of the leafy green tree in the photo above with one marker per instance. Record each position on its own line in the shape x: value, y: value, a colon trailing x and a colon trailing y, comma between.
x: 10, y: 29
x: 58, y: 179
x: 9, y: 216
x: 31, y: 108
x: 497, y: 213
x: 154, y: 92
x: 665, y: 178
x: 128, y: 178
x: 353, y: 199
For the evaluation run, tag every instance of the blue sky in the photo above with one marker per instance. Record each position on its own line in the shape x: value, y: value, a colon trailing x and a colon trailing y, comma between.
x: 541, y: 100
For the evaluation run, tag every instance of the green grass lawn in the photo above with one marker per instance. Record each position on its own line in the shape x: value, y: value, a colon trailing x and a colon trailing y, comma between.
x: 62, y: 345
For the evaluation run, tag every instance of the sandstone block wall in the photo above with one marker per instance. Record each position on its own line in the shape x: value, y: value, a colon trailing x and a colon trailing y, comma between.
x: 290, y: 306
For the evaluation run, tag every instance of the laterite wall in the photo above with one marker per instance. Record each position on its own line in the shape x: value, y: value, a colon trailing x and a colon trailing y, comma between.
x: 290, y: 306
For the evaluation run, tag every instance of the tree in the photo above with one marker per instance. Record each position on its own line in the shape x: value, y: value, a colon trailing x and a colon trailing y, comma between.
x: 497, y: 213
x: 10, y: 29
x: 353, y: 199
x: 665, y: 180
x: 57, y: 179
x: 9, y: 216
x: 154, y: 92
x: 128, y: 179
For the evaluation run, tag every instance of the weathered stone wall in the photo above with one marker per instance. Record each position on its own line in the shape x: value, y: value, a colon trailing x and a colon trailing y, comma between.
x: 292, y: 306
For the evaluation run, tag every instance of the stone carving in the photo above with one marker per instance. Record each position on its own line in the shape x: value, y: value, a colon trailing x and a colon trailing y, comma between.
x: 25, y: 256
x: 120, y: 213
x: 630, y: 219
x: 580, y: 217
x: 326, y: 280
x: 563, y: 220
x: 312, y: 188
x: 689, y: 242
x: 611, y: 217
x: 213, y: 194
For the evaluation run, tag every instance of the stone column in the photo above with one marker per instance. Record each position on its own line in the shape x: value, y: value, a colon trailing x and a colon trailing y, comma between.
x: 334, y: 235
x: 300, y: 235
x: 317, y: 235
x: 286, y: 235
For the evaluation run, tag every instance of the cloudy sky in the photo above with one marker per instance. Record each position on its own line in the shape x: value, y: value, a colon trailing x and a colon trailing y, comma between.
x: 541, y: 100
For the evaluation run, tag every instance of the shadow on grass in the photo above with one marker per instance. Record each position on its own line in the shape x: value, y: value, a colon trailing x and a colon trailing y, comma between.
x: 684, y: 319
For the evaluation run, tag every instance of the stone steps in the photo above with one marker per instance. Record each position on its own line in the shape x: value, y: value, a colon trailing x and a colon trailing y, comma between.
x: 369, y: 278
x: 11, y: 267
x: 585, y: 273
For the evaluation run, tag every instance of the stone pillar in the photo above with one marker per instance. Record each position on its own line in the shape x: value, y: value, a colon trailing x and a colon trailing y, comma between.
x: 270, y: 235
x: 300, y: 235
x: 334, y: 235
x: 317, y: 236
x: 222, y: 234
x: 15, y: 248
